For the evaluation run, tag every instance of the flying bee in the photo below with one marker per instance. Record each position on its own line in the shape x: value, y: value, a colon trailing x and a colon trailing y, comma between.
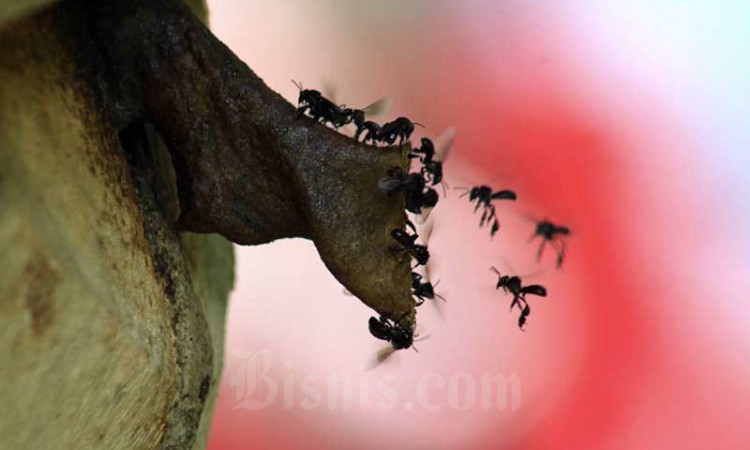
x: 400, y: 129
x: 555, y: 235
x: 483, y: 196
x: 512, y: 285
x: 423, y: 290
x: 409, y: 246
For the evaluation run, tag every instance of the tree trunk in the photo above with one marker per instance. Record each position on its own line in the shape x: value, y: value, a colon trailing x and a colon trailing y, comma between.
x: 112, y: 321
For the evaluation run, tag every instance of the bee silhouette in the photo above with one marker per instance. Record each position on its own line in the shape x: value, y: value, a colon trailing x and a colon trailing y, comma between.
x: 484, y: 196
x: 400, y: 129
x: 409, y: 246
x: 423, y: 290
x: 399, y: 336
x: 320, y: 108
x: 418, y: 198
x: 513, y: 285
x: 554, y: 235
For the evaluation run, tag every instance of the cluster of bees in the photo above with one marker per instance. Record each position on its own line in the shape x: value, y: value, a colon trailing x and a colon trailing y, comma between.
x: 326, y: 111
x: 419, y: 199
x: 420, y: 196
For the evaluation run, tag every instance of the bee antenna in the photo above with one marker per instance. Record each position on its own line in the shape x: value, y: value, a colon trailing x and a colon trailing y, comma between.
x: 465, y: 189
x: 418, y: 339
x: 445, y: 187
x: 418, y: 124
x: 299, y: 85
x: 494, y: 269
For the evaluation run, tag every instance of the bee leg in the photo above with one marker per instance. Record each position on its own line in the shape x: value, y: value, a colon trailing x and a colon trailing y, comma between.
x: 495, y: 227
x: 560, y: 249
x: 541, y: 250
x: 484, y: 218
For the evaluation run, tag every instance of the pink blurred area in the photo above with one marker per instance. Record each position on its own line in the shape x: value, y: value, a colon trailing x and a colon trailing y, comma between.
x: 636, y: 346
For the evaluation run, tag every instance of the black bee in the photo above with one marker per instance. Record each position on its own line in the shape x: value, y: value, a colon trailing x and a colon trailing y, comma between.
x: 409, y: 246
x: 432, y: 168
x: 421, y: 202
x: 400, y: 337
x: 524, y: 315
x: 423, y: 290
x: 426, y: 152
x: 418, y: 198
x: 433, y: 171
x: 512, y: 285
x: 484, y: 196
x: 372, y: 131
x: 400, y: 129
x: 555, y: 235
x: 398, y: 181
x: 340, y: 116
x: 320, y: 108
x: 359, y: 118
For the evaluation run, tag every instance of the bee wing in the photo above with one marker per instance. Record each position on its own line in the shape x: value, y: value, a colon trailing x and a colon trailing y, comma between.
x: 535, y: 289
x: 329, y: 91
x: 506, y: 194
x: 445, y: 143
x: 380, y: 357
x: 438, y: 305
x: 438, y: 302
x: 533, y: 274
x: 506, y: 268
x: 422, y: 217
x: 389, y: 184
x: 378, y: 107
x: 426, y: 231
x: 418, y: 338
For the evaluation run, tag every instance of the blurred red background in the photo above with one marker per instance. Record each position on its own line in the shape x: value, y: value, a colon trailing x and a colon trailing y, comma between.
x: 637, y: 345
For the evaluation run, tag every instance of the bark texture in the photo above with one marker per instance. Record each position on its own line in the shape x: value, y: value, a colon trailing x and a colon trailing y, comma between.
x: 111, y: 322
